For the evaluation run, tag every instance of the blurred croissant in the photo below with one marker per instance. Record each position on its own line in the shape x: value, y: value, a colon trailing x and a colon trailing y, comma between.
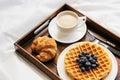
x: 45, y: 48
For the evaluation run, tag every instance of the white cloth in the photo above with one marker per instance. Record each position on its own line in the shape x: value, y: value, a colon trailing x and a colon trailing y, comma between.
x: 19, y: 16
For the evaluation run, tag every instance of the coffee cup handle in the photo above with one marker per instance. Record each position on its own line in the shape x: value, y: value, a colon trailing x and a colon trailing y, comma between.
x: 81, y: 20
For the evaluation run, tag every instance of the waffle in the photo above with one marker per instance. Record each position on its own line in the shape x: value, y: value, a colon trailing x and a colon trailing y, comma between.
x: 98, y: 73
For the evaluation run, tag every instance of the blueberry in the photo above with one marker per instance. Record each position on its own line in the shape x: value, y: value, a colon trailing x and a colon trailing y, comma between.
x: 88, y: 56
x: 87, y: 64
x: 81, y: 65
x: 97, y: 64
x: 93, y: 65
x: 87, y: 68
x: 82, y: 61
x: 95, y: 57
x: 77, y: 60
x: 80, y: 55
x: 90, y: 59
x: 82, y: 69
x: 92, y: 55
x: 93, y: 61
x: 83, y: 53
x: 85, y: 59
x: 80, y: 58
x: 86, y: 53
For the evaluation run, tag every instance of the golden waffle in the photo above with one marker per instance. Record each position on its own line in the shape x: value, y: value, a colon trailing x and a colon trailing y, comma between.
x: 72, y: 67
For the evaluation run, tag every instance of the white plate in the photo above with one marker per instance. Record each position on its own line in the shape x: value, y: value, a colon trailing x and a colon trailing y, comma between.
x: 74, y: 36
x: 64, y: 76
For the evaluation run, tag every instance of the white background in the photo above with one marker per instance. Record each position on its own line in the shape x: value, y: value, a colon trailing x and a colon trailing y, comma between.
x: 19, y: 16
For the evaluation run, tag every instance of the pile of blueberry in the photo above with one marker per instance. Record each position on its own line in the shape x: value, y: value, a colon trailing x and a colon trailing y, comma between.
x: 87, y: 61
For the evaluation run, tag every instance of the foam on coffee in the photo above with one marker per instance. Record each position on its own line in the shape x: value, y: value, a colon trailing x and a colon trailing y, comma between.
x: 67, y: 20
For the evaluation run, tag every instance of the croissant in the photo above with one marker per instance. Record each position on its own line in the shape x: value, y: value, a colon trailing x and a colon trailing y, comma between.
x: 45, y: 48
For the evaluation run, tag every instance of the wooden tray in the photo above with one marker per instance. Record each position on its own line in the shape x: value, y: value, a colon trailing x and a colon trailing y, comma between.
x: 23, y: 44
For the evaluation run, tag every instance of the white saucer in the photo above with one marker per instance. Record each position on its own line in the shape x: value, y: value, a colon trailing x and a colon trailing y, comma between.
x: 64, y: 76
x: 77, y: 34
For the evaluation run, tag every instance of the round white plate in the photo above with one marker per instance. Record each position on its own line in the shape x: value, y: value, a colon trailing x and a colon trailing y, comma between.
x: 64, y: 76
x: 74, y: 36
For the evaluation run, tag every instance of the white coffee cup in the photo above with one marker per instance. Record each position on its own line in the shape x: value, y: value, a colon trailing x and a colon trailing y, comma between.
x: 68, y: 20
